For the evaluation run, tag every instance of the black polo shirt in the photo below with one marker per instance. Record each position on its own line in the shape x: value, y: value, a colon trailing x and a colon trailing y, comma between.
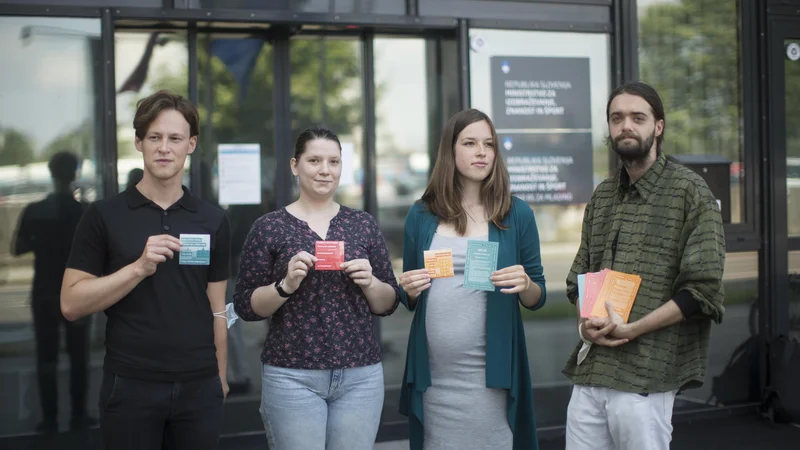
x: 163, y: 329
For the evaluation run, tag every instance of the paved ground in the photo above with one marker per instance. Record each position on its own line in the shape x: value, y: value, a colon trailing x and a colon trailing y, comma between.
x: 743, y: 432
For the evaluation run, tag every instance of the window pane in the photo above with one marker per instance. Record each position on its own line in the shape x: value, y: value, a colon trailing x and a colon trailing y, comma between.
x: 416, y: 89
x: 794, y: 294
x: 687, y: 52
x: 49, y: 104
x: 136, y: 3
x: 144, y: 64
x: 326, y: 90
x: 546, y: 93
x: 731, y: 375
x: 309, y: 6
x: 235, y: 80
x: 792, y: 100
x: 403, y: 160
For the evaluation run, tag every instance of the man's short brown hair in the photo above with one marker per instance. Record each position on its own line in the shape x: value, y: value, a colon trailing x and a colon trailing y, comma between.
x: 148, y: 108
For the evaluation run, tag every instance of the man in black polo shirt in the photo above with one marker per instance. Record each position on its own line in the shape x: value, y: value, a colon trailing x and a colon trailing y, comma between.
x: 156, y: 260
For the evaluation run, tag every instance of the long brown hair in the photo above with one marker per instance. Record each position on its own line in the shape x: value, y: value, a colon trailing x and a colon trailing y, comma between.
x: 443, y: 194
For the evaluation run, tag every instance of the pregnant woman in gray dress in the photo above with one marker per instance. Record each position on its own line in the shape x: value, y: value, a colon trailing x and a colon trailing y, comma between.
x: 467, y: 382
x: 456, y: 328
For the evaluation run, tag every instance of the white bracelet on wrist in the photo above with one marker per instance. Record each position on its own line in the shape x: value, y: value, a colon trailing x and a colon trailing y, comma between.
x: 584, y: 351
x: 580, y: 334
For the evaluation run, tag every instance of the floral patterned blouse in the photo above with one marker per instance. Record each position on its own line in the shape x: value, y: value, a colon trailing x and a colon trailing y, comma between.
x: 326, y: 323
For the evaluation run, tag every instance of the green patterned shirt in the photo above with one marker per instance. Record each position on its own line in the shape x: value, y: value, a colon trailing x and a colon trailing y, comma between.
x: 668, y: 230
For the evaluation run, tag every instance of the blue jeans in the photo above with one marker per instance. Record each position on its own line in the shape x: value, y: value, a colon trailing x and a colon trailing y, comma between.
x: 338, y: 409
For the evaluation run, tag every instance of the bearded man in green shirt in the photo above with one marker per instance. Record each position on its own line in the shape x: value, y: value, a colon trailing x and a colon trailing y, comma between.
x: 658, y: 220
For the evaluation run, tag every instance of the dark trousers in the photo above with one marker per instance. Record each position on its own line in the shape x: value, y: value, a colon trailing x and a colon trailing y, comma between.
x: 147, y: 415
x: 47, y: 320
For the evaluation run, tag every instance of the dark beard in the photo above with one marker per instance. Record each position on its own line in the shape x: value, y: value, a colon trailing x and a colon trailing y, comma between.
x: 634, y: 154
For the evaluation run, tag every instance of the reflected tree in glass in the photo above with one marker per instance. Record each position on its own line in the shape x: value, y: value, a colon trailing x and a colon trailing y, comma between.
x: 240, y: 113
x: 689, y: 52
x: 15, y: 148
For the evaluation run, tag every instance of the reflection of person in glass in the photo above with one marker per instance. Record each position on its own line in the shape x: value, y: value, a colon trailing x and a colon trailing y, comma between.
x: 134, y: 177
x: 322, y: 383
x: 46, y: 229
x: 156, y: 260
x: 658, y: 220
x: 467, y: 366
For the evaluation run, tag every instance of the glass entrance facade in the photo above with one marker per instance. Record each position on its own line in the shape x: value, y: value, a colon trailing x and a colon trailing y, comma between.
x: 385, y: 77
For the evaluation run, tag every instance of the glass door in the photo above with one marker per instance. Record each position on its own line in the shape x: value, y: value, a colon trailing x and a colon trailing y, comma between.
x: 51, y: 157
x: 785, y: 57
x: 237, y: 158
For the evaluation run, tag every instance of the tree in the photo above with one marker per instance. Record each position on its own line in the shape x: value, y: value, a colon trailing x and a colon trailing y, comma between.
x: 230, y: 118
x: 79, y: 140
x: 15, y: 148
x: 689, y: 52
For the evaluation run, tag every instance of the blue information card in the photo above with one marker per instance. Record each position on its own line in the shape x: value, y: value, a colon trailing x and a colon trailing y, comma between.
x: 481, y: 263
x: 581, y: 284
x: 195, y: 249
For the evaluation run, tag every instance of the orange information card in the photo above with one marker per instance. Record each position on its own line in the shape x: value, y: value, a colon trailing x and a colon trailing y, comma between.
x: 329, y: 255
x: 439, y: 263
x: 620, y: 290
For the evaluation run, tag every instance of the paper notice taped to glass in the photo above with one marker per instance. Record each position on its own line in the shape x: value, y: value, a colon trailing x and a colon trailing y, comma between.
x: 239, y: 174
x: 348, y: 177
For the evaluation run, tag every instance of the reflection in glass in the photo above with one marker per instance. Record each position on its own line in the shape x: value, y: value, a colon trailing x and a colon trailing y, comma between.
x: 49, y: 86
x: 794, y: 294
x: 236, y: 79
x: 686, y: 52
x: 94, y: 3
x: 792, y: 80
x: 145, y: 63
x: 732, y: 372
x: 309, y: 6
x: 402, y: 168
x: 326, y: 90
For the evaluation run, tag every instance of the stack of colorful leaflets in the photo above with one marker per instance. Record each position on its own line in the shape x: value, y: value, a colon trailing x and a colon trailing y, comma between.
x: 617, y: 288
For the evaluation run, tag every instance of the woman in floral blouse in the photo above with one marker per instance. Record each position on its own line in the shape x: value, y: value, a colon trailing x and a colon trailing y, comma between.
x: 322, y: 379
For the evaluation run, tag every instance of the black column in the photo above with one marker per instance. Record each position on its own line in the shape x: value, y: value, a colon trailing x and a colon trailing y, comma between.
x: 282, y: 115
x: 109, y: 96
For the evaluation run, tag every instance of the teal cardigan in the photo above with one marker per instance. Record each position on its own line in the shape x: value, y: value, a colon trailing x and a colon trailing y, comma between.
x: 506, y: 354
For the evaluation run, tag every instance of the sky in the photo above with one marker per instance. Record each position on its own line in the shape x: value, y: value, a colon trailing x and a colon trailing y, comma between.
x: 45, y: 84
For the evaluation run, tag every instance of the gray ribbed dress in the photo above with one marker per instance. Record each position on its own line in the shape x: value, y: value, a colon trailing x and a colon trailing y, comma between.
x: 460, y: 412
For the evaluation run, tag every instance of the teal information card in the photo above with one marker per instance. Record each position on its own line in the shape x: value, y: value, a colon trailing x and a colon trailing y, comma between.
x: 581, y: 284
x: 195, y: 249
x: 481, y: 262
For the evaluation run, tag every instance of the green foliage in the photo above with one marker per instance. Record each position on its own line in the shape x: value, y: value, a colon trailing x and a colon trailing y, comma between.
x: 15, y: 148
x: 227, y: 117
x: 79, y: 141
x: 688, y: 51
